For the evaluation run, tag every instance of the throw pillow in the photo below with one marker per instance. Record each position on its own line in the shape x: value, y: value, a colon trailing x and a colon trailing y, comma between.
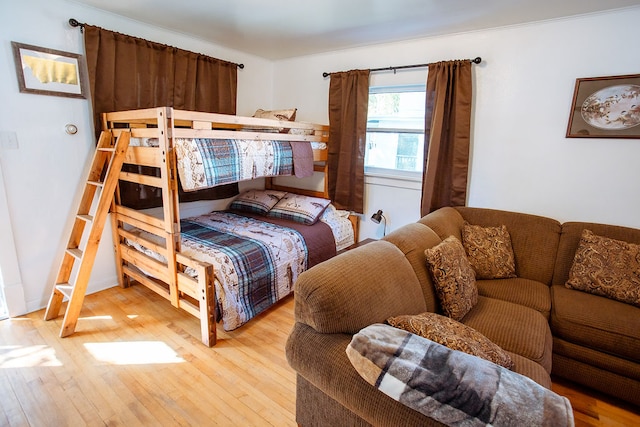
x: 606, y: 267
x: 282, y: 115
x: 453, y: 277
x: 489, y: 251
x: 299, y: 208
x: 452, y: 334
x: 256, y: 201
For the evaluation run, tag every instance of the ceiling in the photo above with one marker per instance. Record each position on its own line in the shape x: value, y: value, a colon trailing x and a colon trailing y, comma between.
x: 277, y: 29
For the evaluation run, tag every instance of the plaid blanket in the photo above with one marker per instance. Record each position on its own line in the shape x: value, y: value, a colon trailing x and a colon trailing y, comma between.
x: 204, y: 163
x: 255, y: 263
x: 450, y: 386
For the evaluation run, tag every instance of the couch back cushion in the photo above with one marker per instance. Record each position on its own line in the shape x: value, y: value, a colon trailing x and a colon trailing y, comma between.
x: 412, y: 239
x: 534, y: 239
x: 444, y: 222
x: 357, y: 288
x: 570, y: 239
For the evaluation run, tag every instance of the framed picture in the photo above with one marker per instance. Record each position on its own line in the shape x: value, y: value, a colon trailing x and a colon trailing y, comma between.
x: 606, y: 107
x: 49, y: 72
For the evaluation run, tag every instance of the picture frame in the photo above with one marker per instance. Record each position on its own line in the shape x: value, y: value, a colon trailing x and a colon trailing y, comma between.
x: 49, y: 72
x: 605, y: 107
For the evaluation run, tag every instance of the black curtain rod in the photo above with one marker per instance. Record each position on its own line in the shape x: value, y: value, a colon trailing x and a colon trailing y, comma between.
x: 74, y: 23
x: 476, y: 60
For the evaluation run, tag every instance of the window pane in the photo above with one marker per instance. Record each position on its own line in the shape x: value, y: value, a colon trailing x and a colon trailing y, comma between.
x: 394, y: 150
x: 395, y: 129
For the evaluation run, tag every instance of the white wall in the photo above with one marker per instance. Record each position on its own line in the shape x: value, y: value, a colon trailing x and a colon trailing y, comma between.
x: 520, y: 158
x: 43, y: 175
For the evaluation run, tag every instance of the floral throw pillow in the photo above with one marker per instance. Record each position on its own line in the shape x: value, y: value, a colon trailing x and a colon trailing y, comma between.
x: 453, y: 277
x: 452, y: 334
x: 489, y: 251
x: 606, y: 267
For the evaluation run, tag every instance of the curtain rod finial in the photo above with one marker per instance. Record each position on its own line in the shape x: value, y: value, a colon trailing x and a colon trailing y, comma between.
x: 477, y: 60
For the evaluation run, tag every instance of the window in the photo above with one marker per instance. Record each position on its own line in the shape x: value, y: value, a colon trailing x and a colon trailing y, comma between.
x: 395, y: 130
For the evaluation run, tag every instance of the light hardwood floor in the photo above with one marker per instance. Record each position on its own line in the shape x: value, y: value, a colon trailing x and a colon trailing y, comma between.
x: 136, y: 361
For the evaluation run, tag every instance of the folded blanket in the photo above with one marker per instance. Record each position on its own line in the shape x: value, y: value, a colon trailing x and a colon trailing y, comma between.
x: 302, y: 158
x: 452, y: 387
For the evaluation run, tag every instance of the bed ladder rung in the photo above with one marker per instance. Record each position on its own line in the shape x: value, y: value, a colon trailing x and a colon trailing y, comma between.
x: 75, y: 252
x: 101, y: 184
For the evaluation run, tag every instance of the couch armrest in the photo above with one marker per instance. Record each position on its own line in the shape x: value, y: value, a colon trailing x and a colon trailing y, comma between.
x: 357, y: 288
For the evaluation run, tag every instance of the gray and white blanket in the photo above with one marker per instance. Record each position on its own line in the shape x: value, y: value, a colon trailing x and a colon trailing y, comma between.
x: 450, y: 386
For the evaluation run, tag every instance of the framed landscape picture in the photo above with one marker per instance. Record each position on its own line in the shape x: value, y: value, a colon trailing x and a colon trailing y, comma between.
x: 606, y: 107
x: 48, y: 71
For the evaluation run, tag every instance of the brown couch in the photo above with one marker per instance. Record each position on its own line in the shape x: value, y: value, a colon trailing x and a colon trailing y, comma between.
x: 541, y: 324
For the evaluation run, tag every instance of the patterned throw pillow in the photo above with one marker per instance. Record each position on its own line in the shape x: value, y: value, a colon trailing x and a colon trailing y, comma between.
x: 303, y: 209
x: 452, y: 334
x: 453, y: 277
x: 606, y: 267
x: 489, y: 251
x: 257, y: 201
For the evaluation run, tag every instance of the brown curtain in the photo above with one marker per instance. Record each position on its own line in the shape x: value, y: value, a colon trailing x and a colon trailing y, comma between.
x: 348, y: 104
x: 447, y: 135
x: 129, y: 73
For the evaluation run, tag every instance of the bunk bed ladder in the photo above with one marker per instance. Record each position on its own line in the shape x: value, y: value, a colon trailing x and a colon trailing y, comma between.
x: 97, y: 196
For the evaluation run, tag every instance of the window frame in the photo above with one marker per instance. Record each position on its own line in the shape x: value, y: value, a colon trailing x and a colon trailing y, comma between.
x: 388, y: 172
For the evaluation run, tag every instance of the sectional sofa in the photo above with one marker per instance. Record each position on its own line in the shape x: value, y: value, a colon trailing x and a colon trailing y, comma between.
x: 589, y: 336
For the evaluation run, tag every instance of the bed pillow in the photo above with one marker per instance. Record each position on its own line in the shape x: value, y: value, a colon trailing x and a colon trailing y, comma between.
x: 489, y: 251
x: 299, y: 208
x: 606, y: 267
x: 288, y: 115
x: 452, y: 334
x: 453, y: 277
x: 256, y: 201
x: 450, y: 386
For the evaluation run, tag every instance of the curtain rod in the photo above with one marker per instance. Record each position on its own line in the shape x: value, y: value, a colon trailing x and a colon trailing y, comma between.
x: 74, y: 23
x: 476, y: 60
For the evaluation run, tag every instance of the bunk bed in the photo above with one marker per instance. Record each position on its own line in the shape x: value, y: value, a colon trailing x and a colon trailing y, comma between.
x: 188, y: 260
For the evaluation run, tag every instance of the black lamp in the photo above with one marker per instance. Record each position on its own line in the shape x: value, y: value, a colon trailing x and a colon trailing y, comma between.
x: 377, y: 217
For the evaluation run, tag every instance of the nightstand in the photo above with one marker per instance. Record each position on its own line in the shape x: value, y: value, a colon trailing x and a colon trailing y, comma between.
x: 358, y: 244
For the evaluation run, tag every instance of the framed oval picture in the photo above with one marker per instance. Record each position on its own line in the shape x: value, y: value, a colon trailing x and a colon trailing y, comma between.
x: 606, y: 107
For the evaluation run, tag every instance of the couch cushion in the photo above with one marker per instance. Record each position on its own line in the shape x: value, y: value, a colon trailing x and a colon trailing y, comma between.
x: 606, y: 267
x: 530, y: 369
x: 412, y: 239
x: 515, y: 328
x: 534, y: 239
x: 452, y: 334
x: 527, y: 292
x: 444, y: 222
x: 596, y: 322
x: 489, y: 251
x: 453, y: 277
x: 359, y: 287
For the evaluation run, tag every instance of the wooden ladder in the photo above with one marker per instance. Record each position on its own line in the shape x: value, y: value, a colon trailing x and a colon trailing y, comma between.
x: 103, y: 175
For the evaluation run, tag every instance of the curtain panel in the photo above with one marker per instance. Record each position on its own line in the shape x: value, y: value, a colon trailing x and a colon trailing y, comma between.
x: 348, y: 104
x: 447, y: 135
x: 128, y: 73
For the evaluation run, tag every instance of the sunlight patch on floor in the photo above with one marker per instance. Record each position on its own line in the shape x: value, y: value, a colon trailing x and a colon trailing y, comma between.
x: 15, y: 356
x: 133, y: 352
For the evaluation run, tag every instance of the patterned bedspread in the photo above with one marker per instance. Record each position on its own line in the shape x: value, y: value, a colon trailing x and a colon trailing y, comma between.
x: 204, y: 163
x: 255, y: 263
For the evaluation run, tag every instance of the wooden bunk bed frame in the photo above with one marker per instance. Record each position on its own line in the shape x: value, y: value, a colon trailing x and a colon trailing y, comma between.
x: 194, y: 295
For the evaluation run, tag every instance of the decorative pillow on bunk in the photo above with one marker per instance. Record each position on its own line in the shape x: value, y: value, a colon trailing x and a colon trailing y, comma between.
x: 452, y: 334
x: 283, y: 115
x: 453, y: 277
x: 606, y: 267
x: 257, y: 201
x: 299, y: 208
x: 489, y: 251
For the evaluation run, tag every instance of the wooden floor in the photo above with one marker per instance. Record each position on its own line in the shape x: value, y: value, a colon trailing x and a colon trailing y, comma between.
x: 135, y: 360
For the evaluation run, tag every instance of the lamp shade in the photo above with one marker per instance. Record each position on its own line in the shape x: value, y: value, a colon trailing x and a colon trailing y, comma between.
x: 377, y: 217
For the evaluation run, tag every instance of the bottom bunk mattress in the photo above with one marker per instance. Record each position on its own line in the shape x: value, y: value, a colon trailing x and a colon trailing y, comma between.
x: 256, y: 260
